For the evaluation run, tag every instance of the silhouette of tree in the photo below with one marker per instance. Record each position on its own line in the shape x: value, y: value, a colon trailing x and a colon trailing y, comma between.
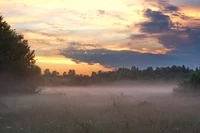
x: 72, y: 73
x: 16, y: 58
x: 173, y: 73
x: 47, y: 73
x: 15, y: 53
x: 192, y: 84
x: 195, y: 79
x: 55, y: 73
x: 64, y: 74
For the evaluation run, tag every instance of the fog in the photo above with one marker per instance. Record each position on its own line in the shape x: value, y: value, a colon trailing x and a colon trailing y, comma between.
x: 114, y: 108
x: 121, y: 92
x: 125, y: 88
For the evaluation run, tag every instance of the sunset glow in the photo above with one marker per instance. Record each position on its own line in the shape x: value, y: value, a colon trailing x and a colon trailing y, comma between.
x: 90, y: 29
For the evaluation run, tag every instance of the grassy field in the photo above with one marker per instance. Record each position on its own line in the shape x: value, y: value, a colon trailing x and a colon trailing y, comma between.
x: 86, y: 113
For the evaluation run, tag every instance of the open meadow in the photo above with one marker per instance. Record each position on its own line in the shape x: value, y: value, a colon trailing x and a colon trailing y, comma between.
x: 105, y: 109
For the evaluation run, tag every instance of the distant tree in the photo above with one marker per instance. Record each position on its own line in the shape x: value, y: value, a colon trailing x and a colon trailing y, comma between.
x: 173, y: 73
x: 54, y: 73
x: 134, y: 73
x: 149, y: 73
x: 64, y: 74
x: 183, y: 69
x: 47, y: 73
x: 191, y: 85
x: 93, y: 74
x: 72, y: 73
x: 16, y: 58
x: 195, y: 79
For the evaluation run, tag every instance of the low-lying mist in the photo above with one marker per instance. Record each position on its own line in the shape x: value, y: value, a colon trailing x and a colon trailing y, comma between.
x: 115, y: 88
x: 114, y: 108
x: 90, y: 95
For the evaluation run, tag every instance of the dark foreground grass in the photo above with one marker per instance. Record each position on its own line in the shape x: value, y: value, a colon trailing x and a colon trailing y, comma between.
x: 119, y: 114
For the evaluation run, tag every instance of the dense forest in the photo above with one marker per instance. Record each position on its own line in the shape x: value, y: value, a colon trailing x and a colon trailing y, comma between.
x: 19, y: 74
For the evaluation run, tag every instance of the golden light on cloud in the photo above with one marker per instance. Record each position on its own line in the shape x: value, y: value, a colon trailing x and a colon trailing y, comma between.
x: 143, y: 50
x: 156, y: 51
x: 146, y: 45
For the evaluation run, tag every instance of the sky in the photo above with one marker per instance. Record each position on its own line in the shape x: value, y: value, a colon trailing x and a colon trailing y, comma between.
x: 93, y: 35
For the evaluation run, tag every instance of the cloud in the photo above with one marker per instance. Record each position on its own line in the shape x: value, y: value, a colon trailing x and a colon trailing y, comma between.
x: 160, y: 24
x: 117, y: 59
x: 186, y: 36
x: 157, y: 22
x: 170, y: 8
x: 138, y: 36
x: 101, y: 12
x: 166, y: 6
x: 163, y: 5
x: 112, y: 14
x: 82, y: 46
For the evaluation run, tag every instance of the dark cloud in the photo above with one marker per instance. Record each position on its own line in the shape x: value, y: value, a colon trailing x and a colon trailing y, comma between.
x: 156, y: 16
x: 163, y: 5
x: 126, y: 58
x: 171, y: 40
x: 158, y: 22
x: 181, y: 43
x: 181, y: 39
x: 166, y: 6
x: 171, y: 8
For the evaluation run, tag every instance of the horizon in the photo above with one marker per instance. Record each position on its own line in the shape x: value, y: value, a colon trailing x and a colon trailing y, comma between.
x: 116, y: 69
x: 75, y: 35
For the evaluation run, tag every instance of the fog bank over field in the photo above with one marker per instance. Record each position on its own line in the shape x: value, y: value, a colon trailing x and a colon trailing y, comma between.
x: 115, y: 108
x: 101, y: 95
x: 127, y: 88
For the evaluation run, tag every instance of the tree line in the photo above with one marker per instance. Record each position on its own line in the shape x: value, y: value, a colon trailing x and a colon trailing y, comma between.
x: 173, y: 73
x: 191, y: 84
